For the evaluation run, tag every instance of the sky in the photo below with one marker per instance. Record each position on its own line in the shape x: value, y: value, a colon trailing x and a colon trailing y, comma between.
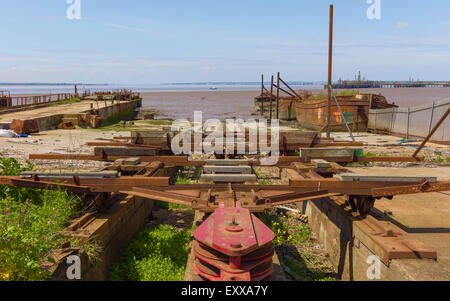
x: 143, y: 42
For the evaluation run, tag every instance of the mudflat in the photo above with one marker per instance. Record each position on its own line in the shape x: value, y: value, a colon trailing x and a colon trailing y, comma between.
x: 240, y: 104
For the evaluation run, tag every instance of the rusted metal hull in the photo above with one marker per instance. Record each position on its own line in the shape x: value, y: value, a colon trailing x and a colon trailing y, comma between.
x: 314, y: 115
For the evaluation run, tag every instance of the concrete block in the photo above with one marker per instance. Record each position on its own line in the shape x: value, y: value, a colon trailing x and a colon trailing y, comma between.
x: 319, y: 163
x: 385, y: 178
x: 131, y: 161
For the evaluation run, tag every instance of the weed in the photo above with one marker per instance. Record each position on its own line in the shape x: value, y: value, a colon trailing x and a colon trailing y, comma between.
x: 31, y: 225
x: 170, y: 206
x: 156, y: 254
x: 293, y: 242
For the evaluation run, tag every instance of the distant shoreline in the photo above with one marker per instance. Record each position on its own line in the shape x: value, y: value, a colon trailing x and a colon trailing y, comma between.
x: 50, y: 84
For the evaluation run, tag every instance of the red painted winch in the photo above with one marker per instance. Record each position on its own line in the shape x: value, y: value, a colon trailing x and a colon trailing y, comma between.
x: 233, y: 245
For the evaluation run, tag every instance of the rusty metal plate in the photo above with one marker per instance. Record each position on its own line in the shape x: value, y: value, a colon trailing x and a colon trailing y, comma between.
x: 388, y: 241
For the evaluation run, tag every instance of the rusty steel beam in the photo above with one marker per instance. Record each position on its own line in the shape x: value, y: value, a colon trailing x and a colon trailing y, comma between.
x: 64, y: 157
x: 126, y: 144
x: 330, y: 71
x: 292, y: 90
x: 94, y: 185
x: 262, y: 94
x: 180, y: 161
x: 288, y: 93
x: 44, y: 185
x: 358, y: 188
x: 163, y: 196
x: 295, y: 197
x: 424, y: 187
x: 390, y: 159
x: 164, y: 159
x: 278, y: 96
x: 271, y: 99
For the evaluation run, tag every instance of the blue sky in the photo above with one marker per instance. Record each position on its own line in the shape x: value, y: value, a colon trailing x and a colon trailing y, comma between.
x: 137, y: 41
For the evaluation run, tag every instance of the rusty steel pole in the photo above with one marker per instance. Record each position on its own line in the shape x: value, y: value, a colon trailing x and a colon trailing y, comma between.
x: 271, y: 99
x: 262, y: 94
x: 278, y: 96
x: 330, y: 71
x: 436, y: 127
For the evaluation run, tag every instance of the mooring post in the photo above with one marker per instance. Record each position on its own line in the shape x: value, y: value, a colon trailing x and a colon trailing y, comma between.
x: 330, y: 65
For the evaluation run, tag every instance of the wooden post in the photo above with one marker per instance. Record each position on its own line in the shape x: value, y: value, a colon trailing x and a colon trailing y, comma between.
x: 330, y: 70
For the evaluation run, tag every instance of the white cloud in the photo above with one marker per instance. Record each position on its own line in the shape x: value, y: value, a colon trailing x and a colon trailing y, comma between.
x: 401, y: 24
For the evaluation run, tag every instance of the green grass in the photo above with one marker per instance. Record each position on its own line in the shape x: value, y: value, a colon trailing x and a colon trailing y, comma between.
x: 31, y: 225
x: 171, y: 206
x: 156, y: 254
x: 369, y: 154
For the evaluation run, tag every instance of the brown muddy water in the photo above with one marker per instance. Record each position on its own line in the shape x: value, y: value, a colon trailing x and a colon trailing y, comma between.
x: 228, y: 104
